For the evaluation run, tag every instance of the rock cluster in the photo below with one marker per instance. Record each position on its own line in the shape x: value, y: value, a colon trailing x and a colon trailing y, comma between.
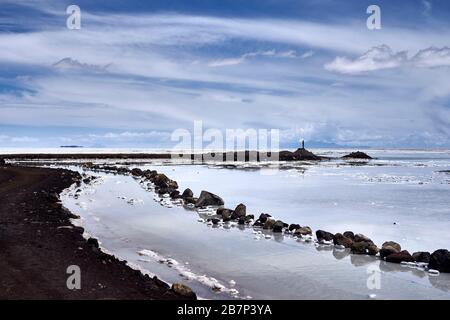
x: 357, y: 155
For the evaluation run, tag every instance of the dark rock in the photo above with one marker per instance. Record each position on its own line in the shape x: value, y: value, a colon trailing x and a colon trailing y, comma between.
x: 361, y: 238
x: 440, y: 260
x: 263, y: 217
x: 149, y: 174
x: 357, y: 155
x: 136, y: 172
x: 388, y: 248
x: 187, y: 193
x: 341, y: 240
x: 2, y: 162
x: 160, y: 283
x: 224, y: 213
x: 278, y: 226
x: 241, y: 221
x: 93, y: 243
x: 220, y: 211
x: 303, y: 154
x: 372, y: 249
x: 399, y: 257
x: 324, y: 235
x: 293, y: 227
x: 286, y: 156
x: 268, y: 225
x: 208, y: 199
x: 175, y: 194
x: 190, y: 200
x: 162, y: 181
x: 393, y: 245
x: 422, y: 257
x: 215, y: 220
x: 78, y: 229
x: 184, y: 291
x: 303, y: 231
x: 249, y: 217
x: 349, y: 234
x: 359, y: 247
x: 241, y: 210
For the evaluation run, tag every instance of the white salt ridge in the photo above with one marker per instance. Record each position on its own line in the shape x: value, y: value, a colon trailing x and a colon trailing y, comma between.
x: 433, y: 272
x: 185, y: 272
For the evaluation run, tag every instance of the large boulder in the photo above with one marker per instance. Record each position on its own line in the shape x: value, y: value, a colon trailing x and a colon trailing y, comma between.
x: 403, y: 256
x: 149, y: 174
x: 359, y: 247
x: 341, y: 240
x: 261, y: 220
x: 263, y: 217
x: 324, y: 235
x: 187, y: 193
x: 226, y: 215
x: 208, y: 199
x: 372, y: 249
x: 440, y: 260
x: 293, y: 227
x: 162, y: 181
x: 349, y: 234
x: 184, y: 291
x: 136, y: 172
x: 388, y: 248
x: 361, y: 238
x: 392, y: 244
x: 303, y: 231
x: 240, y: 211
x: 224, y: 212
x: 421, y: 256
x: 268, y: 225
x: 278, y: 226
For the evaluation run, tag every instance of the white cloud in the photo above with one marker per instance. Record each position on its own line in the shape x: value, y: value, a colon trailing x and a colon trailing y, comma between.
x: 383, y: 57
x: 377, y: 58
x: 73, y: 64
x: 269, y: 53
x: 307, y: 54
x: 432, y: 57
x: 17, y: 139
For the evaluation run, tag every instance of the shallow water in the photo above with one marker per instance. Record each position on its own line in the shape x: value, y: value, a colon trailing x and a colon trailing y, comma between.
x: 331, y: 196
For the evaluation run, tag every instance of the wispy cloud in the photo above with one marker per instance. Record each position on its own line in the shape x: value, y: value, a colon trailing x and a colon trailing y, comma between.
x: 269, y: 53
x: 383, y: 57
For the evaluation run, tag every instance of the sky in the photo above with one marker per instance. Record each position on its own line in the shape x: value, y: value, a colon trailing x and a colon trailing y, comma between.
x: 136, y: 71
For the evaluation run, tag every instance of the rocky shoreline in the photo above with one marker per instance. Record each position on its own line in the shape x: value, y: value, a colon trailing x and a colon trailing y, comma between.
x: 38, y: 242
x: 357, y: 244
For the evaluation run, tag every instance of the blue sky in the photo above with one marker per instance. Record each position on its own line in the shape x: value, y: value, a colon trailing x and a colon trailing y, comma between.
x: 138, y: 70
